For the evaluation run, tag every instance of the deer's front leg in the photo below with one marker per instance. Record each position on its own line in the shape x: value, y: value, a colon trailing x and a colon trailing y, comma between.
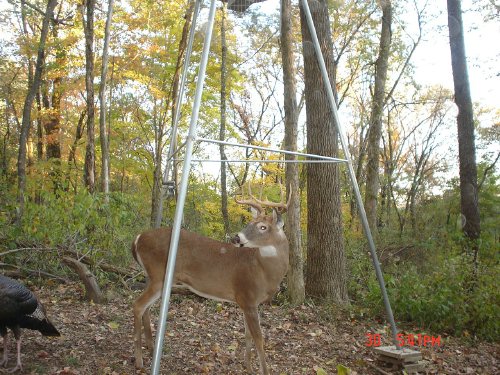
x: 248, y: 347
x: 253, y: 325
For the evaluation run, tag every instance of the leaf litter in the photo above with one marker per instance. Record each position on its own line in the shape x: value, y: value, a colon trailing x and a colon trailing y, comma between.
x: 206, y: 337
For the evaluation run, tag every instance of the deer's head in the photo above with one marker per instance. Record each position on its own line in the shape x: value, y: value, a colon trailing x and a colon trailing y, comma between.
x: 263, y: 230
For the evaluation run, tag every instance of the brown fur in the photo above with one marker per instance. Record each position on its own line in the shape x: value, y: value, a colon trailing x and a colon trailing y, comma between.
x: 216, y: 270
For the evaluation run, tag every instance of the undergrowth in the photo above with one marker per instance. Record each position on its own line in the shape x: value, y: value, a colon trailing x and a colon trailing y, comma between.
x: 439, y: 292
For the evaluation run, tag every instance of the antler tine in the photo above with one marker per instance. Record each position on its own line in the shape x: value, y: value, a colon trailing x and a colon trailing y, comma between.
x: 250, y: 202
x: 281, y: 206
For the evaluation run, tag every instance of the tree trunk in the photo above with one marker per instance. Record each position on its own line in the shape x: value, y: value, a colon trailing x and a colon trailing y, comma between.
x: 88, y: 27
x: 295, y: 276
x: 222, y: 131
x: 39, y: 127
x: 52, y: 120
x: 326, y: 264
x: 102, y: 101
x: 375, y: 131
x: 39, y: 144
x: 72, y: 149
x: 465, y: 123
x: 92, y: 289
x: 170, y: 164
x: 25, y: 126
x: 6, y: 137
x: 156, y: 193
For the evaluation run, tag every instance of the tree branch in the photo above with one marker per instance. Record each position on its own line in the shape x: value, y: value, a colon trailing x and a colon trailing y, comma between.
x: 488, y: 169
x: 37, y: 9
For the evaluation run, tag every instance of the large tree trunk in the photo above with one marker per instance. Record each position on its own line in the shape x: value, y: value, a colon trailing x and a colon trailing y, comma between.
x: 222, y: 131
x: 88, y: 26
x: 326, y: 264
x: 295, y: 276
x: 25, y: 126
x: 102, y: 101
x: 465, y: 122
x: 375, y: 131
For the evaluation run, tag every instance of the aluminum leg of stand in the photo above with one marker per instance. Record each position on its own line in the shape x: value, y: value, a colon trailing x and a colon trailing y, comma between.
x: 343, y: 141
x: 180, y: 98
x: 174, y: 242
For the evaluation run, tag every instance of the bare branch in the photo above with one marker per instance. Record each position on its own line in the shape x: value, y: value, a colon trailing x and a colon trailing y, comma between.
x: 486, y: 171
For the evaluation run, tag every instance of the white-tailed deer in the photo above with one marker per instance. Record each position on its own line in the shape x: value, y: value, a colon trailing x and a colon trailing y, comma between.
x: 248, y: 271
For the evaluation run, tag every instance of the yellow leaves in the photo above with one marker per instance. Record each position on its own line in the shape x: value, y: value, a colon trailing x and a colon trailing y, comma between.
x: 343, y: 370
x: 320, y: 371
x: 113, y: 325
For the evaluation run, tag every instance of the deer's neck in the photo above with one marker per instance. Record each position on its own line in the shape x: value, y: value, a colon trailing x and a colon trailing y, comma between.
x: 275, y: 257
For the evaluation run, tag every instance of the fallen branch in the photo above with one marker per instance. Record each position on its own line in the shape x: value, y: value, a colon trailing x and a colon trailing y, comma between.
x: 92, y: 290
x: 27, y: 248
x: 104, y: 266
x: 35, y: 272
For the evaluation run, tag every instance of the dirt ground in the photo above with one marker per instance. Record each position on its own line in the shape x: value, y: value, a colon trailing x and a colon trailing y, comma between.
x: 204, y: 337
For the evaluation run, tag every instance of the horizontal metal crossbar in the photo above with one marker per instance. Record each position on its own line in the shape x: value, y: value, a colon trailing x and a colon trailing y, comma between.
x: 268, y: 161
x: 337, y: 160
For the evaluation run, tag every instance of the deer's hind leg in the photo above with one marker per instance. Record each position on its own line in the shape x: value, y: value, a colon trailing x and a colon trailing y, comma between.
x: 142, y: 317
x: 148, y: 334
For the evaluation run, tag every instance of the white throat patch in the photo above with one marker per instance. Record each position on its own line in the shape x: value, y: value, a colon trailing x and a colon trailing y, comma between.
x: 268, y: 251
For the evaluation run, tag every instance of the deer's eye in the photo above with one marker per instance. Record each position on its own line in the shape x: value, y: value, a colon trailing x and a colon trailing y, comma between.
x: 263, y: 227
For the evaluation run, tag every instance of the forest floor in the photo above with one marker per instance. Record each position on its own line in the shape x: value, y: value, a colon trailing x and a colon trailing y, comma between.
x: 204, y: 337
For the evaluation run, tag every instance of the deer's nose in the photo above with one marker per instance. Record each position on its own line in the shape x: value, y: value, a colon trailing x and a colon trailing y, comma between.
x: 236, y: 239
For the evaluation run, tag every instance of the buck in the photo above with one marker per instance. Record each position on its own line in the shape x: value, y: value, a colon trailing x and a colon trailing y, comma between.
x: 247, y: 271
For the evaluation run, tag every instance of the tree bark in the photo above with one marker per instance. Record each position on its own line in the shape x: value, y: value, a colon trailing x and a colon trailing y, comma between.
x: 222, y: 130
x: 53, y: 121
x: 92, y: 290
x: 295, y: 276
x: 102, y: 101
x: 465, y: 123
x: 6, y: 137
x: 26, y: 123
x: 375, y: 131
x: 159, y: 128
x: 39, y: 128
x: 88, y: 27
x: 326, y: 263
x: 39, y: 143
x: 72, y: 149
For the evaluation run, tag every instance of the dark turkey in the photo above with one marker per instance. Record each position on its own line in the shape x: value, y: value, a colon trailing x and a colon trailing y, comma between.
x: 20, y: 308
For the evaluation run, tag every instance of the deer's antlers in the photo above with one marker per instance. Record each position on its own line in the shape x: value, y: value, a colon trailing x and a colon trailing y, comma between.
x: 258, y: 204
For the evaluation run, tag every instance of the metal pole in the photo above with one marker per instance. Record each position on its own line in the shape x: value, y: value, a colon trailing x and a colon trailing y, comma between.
x: 343, y: 141
x: 180, y: 98
x: 271, y: 150
x: 174, y: 242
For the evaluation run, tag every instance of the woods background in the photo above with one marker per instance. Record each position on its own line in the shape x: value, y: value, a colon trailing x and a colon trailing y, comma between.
x: 80, y: 173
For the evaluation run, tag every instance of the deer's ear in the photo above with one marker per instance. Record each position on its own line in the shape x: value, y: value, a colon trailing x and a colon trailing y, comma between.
x: 255, y: 213
x: 277, y: 219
